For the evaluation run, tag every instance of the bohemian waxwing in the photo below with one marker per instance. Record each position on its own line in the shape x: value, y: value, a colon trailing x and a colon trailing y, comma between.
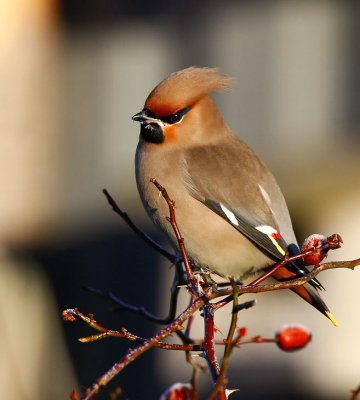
x: 229, y: 207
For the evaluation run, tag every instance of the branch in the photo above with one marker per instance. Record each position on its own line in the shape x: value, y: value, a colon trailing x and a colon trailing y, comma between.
x: 132, y: 354
x: 122, y: 305
x: 171, y: 203
x: 208, y: 345
x: 73, y: 314
x: 331, y: 243
x: 171, y: 257
x: 291, y: 283
x: 221, y: 381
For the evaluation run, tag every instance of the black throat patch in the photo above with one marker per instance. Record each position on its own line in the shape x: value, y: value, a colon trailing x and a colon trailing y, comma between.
x: 152, y: 133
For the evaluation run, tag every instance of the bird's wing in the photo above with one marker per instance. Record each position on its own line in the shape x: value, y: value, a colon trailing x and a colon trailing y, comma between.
x: 232, y: 181
x: 229, y: 179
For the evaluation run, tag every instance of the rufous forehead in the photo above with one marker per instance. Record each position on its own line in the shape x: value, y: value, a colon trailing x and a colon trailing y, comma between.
x: 160, y: 109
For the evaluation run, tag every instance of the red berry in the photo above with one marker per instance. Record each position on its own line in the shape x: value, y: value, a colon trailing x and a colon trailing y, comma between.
x: 310, y: 242
x: 178, y: 391
x: 293, y: 337
x: 242, y: 331
x: 68, y: 315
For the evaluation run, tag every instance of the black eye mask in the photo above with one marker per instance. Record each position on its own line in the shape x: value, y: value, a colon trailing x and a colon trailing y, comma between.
x: 170, y: 119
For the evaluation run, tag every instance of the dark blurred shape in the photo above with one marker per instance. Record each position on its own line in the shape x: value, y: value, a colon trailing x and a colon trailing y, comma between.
x: 78, y: 12
x: 108, y: 261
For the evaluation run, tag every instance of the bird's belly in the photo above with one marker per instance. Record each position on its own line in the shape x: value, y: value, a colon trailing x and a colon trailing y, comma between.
x: 210, y: 241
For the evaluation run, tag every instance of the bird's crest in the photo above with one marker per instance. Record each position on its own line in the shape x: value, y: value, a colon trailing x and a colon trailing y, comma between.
x: 184, y: 88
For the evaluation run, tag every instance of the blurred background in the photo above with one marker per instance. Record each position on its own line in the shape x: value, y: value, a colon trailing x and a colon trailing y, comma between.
x: 72, y: 75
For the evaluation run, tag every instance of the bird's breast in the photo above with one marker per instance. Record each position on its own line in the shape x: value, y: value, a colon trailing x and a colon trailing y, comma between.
x: 211, y: 242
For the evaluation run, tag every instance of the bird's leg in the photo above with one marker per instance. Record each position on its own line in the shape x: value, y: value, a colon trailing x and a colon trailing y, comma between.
x: 208, y: 280
x: 272, y: 269
x: 260, y: 279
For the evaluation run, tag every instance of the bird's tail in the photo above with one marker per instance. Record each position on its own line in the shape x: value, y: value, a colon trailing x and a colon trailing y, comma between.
x: 306, y: 292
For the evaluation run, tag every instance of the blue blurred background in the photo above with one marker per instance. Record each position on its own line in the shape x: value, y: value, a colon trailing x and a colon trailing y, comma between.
x: 72, y: 75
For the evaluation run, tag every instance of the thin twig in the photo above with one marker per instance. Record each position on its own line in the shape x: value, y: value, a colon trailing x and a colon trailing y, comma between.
x: 209, y: 347
x: 171, y: 204
x: 286, y: 259
x: 208, y: 343
x: 171, y: 257
x: 198, y: 302
x: 189, y: 321
x: 175, y: 325
x: 122, y: 305
x: 256, y: 339
x: 221, y: 381
x: 196, y: 368
x: 237, y: 341
x: 132, y: 354
x: 174, y: 291
x: 244, y: 306
x: 123, y: 333
x: 290, y: 283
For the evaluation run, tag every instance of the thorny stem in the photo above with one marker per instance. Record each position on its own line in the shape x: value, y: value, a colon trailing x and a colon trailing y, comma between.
x: 189, y: 321
x: 174, y: 292
x: 132, y: 354
x: 290, y: 283
x: 175, y: 325
x: 209, y: 341
x: 198, y: 302
x: 286, y: 259
x: 192, y: 280
x: 238, y: 341
x: 221, y: 381
x: 123, y: 333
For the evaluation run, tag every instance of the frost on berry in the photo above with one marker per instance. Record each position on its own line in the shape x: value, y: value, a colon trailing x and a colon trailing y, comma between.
x: 68, y: 315
x: 178, y: 391
x: 315, y: 240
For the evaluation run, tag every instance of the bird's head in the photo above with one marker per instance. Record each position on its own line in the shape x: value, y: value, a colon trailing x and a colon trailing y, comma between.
x: 179, y: 108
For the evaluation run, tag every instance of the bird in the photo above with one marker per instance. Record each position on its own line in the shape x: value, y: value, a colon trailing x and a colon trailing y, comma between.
x: 229, y: 207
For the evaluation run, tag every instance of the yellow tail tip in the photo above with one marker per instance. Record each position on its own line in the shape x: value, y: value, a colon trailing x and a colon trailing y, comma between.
x: 331, y: 318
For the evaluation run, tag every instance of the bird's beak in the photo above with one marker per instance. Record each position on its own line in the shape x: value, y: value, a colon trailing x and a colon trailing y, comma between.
x: 143, y: 117
x: 140, y: 116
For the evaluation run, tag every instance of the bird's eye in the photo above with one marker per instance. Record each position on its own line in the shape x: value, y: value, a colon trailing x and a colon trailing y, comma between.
x: 177, y: 117
x: 173, y: 119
